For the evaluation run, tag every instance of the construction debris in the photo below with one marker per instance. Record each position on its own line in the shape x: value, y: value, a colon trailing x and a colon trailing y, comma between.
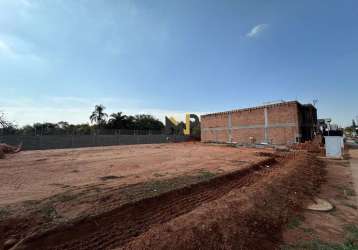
x: 320, y: 205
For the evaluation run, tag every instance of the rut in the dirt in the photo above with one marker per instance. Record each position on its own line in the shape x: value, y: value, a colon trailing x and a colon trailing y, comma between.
x: 117, y: 227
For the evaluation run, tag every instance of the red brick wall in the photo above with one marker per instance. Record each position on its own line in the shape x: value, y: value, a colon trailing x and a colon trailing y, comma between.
x: 283, y: 114
x: 248, y: 117
x: 282, y: 125
x: 282, y: 135
x: 243, y: 135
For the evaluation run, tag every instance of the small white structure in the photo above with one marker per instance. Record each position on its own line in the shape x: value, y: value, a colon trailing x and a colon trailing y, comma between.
x: 334, y: 146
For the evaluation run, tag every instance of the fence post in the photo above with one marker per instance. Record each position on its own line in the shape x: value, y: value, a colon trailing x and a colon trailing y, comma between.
x: 40, y: 142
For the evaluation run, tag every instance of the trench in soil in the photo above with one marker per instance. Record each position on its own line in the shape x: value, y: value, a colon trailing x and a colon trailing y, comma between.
x: 119, y: 226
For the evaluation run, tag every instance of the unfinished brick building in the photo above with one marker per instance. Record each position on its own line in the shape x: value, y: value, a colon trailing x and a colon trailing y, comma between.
x: 280, y: 123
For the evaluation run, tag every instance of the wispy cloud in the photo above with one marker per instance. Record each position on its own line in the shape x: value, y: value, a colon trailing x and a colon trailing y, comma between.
x: 255, y: 31
x: 6, y: 49
x: 76, y: 110
x: 17, y: 49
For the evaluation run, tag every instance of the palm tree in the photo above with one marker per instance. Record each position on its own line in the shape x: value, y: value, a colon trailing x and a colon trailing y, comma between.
x: 98, y: 116
x: 117, y: 121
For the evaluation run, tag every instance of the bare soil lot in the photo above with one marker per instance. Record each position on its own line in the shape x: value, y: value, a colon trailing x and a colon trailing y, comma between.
x: 336, y: 229
x: 34, y: 175
x: 169, y: 196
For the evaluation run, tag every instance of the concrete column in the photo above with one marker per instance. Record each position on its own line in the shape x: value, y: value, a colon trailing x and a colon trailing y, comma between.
x: 266, y: 126
x: 229, y: 128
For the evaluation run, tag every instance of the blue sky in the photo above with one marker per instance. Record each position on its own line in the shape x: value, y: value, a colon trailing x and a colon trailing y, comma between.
x: 58, y: 58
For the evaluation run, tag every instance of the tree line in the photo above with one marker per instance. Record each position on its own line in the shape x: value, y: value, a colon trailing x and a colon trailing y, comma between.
x: 100, y: 123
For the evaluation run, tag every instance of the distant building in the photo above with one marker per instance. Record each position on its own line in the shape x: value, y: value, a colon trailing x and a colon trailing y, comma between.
x: 327, y: 128
x: 280, y: 123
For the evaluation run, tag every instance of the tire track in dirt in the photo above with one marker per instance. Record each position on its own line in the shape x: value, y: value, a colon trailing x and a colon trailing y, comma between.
x: 250, y: 218
x: 119, y: 226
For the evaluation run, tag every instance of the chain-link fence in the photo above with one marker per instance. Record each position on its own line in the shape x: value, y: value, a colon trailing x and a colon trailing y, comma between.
x: 97, y: 138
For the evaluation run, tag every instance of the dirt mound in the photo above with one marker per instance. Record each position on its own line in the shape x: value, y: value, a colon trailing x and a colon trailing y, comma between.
x: 244, y: 209
x: 7, y: 149
x: 117, y: 227
x: 246, y: 218
x: 266, y: 154
x: 314, y: 146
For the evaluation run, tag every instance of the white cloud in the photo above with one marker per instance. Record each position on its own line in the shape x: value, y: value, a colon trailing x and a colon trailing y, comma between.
x: 6, y: 49
x: 77, y: 109
x: 16, y: 49
x: 255, y: 31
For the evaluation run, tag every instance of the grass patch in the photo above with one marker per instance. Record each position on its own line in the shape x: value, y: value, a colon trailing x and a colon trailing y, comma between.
x: 154, y: 187
x: 346, y: 191
x: 65, y: 197
x: 206, y: 175
x: 312, y: 245
x: 30, y: 203
x: 350, y: 192
x: 308, y: 230
x: 352, y: 235
x: 158, y: 175
x: 351, y: 242
x: 294, y: 222
x: 351, y: 206
x: 333, y: 211
x: 4, y: 212
x: 161, y: 186
x: 48, y: 211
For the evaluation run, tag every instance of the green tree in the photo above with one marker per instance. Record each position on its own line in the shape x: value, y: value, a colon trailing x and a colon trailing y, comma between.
x: 130, y: 122
x: 27, y: 130
x: 84, y: 129
x: 63, y: 125
x: 7, y: 127
x: 117, y: 121
x: 147, y: 122
x: 3, y: 121
x: 98, y: 116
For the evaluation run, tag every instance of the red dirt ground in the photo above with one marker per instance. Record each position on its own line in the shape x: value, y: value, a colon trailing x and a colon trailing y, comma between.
x: 249, y: 216
x: 35, y: 175
x: 178, y: 196
x: 328, y: 227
